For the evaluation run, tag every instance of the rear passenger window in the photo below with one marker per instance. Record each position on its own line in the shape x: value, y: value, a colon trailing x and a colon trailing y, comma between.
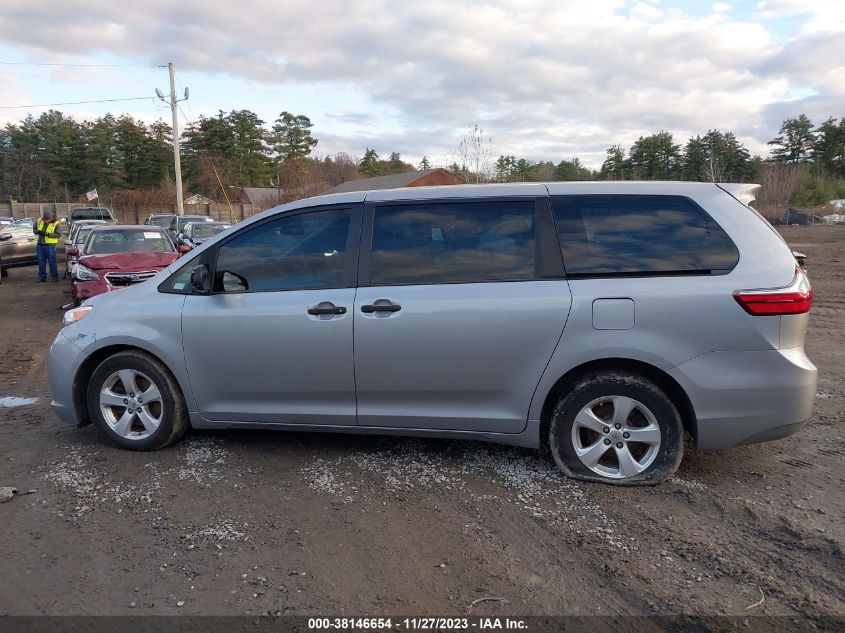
x: 640, y: 235
x: 448, y: 242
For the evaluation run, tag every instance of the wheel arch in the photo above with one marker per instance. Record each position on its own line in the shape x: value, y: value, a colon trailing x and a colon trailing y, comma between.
x: 90, y: 364
x: 658, y: 376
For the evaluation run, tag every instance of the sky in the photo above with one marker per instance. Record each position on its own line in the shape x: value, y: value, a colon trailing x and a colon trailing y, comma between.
x: 545, y: 80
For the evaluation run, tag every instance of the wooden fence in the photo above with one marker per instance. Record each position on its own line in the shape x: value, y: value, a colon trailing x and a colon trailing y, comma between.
x: 134, y: 213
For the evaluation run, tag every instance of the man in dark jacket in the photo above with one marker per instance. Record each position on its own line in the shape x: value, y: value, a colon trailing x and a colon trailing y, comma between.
x: 49, y: 230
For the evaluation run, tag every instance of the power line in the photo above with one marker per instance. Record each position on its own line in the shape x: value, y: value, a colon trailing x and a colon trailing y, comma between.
x: 84, y: 65
x: 46, y: 105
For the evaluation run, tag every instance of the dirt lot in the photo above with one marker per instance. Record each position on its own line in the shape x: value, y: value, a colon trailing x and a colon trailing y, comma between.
x: 257, y: 522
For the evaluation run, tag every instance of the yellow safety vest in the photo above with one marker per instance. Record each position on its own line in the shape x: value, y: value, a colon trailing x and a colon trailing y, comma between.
x: 50, y: 237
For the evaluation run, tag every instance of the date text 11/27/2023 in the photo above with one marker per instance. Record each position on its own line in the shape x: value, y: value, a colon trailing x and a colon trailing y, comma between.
x: 416, y: 624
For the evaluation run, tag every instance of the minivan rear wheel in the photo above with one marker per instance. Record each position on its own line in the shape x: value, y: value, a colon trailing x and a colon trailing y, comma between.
x: 136, y: 403
x: 617, y: 428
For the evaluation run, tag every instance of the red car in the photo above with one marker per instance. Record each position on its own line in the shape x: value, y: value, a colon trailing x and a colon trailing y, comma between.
x: 114, y: 257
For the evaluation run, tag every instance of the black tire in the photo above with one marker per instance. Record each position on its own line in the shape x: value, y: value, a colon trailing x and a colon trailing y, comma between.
x: 172, y: 411
x: 661, y: 459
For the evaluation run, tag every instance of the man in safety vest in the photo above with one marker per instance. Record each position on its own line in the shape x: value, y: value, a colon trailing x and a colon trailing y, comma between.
x: 49, y: 230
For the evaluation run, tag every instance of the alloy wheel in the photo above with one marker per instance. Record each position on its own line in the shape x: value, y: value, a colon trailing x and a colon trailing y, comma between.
x: 616, y: 437
x: 131, y: 404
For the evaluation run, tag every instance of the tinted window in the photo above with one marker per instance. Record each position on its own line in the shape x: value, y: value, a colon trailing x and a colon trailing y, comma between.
x: 290, y: 253
x: 104, y: 242
x: 160, y: 220
x: 632, y: 234
x: 443, y: 242
x: 90, y: 214
x: 205, y: 230
x: 187, y: 219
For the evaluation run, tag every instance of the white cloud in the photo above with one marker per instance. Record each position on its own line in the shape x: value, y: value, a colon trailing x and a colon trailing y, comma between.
x: 818, y: 15
x: 549, y: 79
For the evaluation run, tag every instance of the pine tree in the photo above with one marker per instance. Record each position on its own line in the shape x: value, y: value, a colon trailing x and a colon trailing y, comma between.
x: 615, y: 165
x: 291, y: 136
x: 655, y: 157
x: 370, y: 164
x: 795, y: 140
x: 829, y: 147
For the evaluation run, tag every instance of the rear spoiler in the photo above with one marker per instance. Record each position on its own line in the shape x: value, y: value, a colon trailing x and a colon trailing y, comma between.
x: 746, y: 193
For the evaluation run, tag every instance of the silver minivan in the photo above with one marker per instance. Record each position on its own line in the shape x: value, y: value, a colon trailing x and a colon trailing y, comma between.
x: 600, y: 321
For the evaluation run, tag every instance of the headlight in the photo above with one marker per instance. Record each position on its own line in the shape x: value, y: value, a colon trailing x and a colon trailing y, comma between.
x: 83, y: 273
x: 71, y: 316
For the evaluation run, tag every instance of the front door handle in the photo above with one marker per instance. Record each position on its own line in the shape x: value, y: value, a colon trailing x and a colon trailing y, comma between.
x: 329, y: 309
x: 380, y: 307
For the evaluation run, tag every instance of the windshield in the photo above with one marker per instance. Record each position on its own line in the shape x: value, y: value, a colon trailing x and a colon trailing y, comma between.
x: 128, y: 241
x: 90, y: 214
x: 185, y: 219
x: 161, y: 220
x: 204, y: 231
x: 82, y: 234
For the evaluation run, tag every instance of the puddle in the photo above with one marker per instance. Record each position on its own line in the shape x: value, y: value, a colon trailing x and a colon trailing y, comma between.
x: 16, y: 401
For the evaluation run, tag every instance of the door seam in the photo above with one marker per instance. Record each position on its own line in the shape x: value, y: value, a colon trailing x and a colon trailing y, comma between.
x: 354, y: 364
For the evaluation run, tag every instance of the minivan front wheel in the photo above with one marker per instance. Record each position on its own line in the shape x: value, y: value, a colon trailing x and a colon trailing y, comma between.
x: 617, y: 428
x: 136, y: 403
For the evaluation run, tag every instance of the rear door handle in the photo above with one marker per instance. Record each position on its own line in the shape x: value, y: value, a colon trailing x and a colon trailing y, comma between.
x: 383, y: 307
x: 330, y: 309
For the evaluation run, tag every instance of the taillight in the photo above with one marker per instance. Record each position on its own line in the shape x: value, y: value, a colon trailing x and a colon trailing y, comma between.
x: 796, y: 298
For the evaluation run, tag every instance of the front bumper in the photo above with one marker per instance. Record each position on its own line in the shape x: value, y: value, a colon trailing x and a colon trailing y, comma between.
x: 747, y: 397
x: 82, y: 290
x: 63, y: 362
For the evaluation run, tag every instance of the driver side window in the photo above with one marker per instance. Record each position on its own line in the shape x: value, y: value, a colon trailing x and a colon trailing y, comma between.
x: 298, y: 252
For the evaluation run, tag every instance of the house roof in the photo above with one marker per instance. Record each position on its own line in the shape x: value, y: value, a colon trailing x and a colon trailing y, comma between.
x: 263, y: 195
x: 197, y: 199
x: 393, y: 181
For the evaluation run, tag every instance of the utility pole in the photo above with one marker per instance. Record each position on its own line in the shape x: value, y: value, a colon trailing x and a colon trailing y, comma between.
x: 177, y: 162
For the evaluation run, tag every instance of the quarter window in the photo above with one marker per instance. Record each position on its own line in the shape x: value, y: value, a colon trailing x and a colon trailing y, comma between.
x: 448, y: 242
x: 179, y: 283
x: 640, y: 235
x: 298, y: 252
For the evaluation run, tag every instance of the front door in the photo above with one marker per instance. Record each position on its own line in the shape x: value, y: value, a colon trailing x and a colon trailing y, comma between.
x: 273, y: 342
x: 460, y: 307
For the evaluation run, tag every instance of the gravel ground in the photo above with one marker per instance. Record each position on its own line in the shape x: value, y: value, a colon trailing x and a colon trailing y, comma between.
x: 288, y: 523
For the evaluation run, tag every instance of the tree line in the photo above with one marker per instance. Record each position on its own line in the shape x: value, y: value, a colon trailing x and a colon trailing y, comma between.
x: 55, y: 157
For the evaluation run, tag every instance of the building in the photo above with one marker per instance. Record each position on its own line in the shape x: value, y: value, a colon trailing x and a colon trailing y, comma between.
x: 197, y: 199
x: 424, y: 178
x: 837, y: 204
x: 267, y: 197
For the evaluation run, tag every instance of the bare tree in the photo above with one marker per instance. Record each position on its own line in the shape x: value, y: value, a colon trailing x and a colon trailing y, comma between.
x: 714, y: 170
x: 474, y: 154
x: 778, y: 181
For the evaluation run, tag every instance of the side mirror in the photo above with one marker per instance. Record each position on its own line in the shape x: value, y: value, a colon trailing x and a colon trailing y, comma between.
x: 73, y: 251
x: 184, y: 249
x: 5, y: 236
x: 201, y: 279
